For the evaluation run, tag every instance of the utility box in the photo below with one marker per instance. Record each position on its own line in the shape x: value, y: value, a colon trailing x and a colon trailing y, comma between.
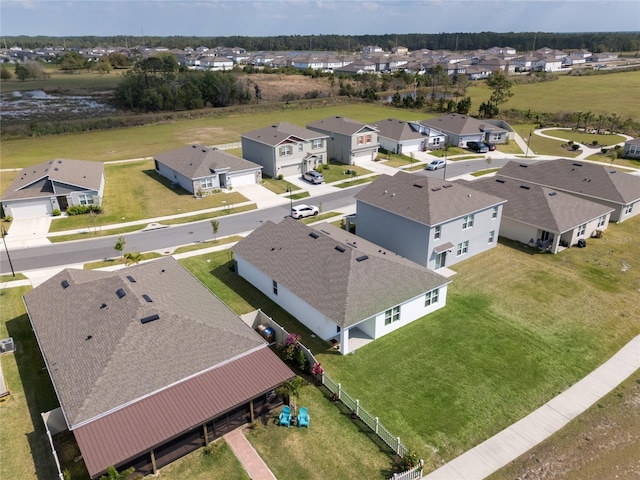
x: 267, y: 333
x: 7, y: 345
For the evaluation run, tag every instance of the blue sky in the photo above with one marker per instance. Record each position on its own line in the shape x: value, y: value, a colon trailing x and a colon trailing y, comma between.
x: 312, y: 17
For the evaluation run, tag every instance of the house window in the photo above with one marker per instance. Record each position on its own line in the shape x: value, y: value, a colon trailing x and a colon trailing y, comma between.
x: 628, y: 208
x: 275, y: 287
x: 300, y: 147
x: 463, y: 248
x: 494, y: 212
x: 467, y: 222
x: 392, y: 315
x: 85, y: 199
x: 492, y: 236
x: 437, y: 232
x: 602, y: 220
x: 436, y: 141
x: 581, y: 229
x: 286, y: 150
x: 317, y: 143
x: 431, y: 297
x: 206, y: 183
x: 369, y: 139
x: 360, y: 140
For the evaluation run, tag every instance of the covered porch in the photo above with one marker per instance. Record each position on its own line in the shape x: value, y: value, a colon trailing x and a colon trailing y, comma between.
x: 350, y: 339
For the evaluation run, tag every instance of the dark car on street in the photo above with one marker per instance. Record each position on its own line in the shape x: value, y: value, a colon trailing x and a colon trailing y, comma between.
x: 479, y: 147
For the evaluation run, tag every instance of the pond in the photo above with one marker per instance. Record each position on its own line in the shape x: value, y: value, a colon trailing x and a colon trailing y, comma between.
x: 40, y: 105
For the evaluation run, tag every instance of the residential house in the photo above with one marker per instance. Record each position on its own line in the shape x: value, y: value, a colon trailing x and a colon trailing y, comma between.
x: 599, y: 183
x: 398, y: 136
x: 371, y: 49
x: 632, y: 148
x: 343, y: 288
x: 399, y: 50
x: 543, y: 217
x: 202, y: 170
x: 54, y: 185
x: 148, y: 364
x: 350, y: 142
x: 285, y: 149
x: 461, y: 129
x: 433, y: 222
x: 602, y: 57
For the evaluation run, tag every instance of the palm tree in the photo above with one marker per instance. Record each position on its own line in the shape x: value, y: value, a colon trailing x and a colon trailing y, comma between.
x: 587, y: 117
x: 578, y: 117
x: 601, y: 119
x: 120, y: 243
x: 614, y: 122
x: 132, y: 258
x: 291, y: 391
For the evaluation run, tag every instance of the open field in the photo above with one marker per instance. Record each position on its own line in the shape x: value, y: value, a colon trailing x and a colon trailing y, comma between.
x: 585, y: 138
x: 89, y: 82
x: 619, y: 92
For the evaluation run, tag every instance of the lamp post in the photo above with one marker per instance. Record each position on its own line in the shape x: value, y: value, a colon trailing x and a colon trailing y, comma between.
x: 291, y: 199
x: 4, y: 233
x: 528, y: 143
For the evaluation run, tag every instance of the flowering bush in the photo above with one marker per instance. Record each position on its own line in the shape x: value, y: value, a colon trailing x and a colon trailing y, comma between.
x: 291, y: 345
x: 317, y: 369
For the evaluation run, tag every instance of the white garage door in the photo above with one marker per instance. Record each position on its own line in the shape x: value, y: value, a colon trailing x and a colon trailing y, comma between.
x: 291, y: 170
x: 242, y: 179
x: 29, y: 209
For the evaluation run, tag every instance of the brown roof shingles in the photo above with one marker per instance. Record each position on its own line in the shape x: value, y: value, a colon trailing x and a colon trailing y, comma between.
x: 336, y: 283
x: 426, y: 200
x: 397, y: 130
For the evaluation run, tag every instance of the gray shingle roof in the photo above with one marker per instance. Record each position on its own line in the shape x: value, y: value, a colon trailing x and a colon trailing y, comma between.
x: 276, y: 134
x: 82, y: 174
x: 425, y: 200
x: 197, y: 161
x: 338, y: 282
x: 589, y: 179
x: 101, y: 356
x: 342, y: 125
x: 460, y: 124
x: 542, y: 207
x: 396, y: 130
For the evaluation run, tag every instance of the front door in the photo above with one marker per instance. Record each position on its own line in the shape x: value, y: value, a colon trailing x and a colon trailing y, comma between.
x: 441, y: 259
x: 62, y: 201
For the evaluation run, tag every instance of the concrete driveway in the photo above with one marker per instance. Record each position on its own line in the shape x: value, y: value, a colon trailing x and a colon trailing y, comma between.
x: 28, y: 232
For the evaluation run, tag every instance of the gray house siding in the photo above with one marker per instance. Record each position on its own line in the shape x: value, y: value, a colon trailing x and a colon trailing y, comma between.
x: 261, y: 154
x: 274, y: 164
x: 345, y: 148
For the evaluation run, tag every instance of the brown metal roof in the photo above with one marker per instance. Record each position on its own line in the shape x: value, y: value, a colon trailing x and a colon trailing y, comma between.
x: 149, y: 422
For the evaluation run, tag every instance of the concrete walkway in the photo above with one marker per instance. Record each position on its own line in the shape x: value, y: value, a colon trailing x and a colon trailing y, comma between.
x: 249, y: 458
x: 496, y: 452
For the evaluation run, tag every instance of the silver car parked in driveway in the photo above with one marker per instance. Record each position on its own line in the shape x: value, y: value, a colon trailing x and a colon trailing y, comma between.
x: 313, y: 177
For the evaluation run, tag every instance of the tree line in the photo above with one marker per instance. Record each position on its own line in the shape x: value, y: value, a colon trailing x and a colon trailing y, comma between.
x: 595, y: 42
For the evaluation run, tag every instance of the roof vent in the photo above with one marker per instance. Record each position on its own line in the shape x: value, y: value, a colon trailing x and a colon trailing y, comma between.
x: 104, y: 305
x: 525, y: 187
x: 447, y: 186
x: 194, y: 146
x: 89, y: 337
x: 131, y: 279
x: 64, y: 283
x: 393, y: 194
x: 362, y: 258
x: 313, y: 235
x: 499, y: 181
x: 435, y: 189
x: 340, y: 248
x: 612, y: 171
x: 120, y: 292
x: 150, y: 318
x: 417, y: 185
x: 147, y: 298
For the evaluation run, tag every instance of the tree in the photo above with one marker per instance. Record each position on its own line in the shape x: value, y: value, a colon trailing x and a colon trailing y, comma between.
x: 601, y: 119
x: 501, y: 86
x: 258, y: 92
x: 587, y: 117
x: 21, y: 72
x: 119, y: 60
x: 5, y: 73
x: 614, y: 122
x: 113, y: 474
x: 488, y: 109
x: 132, y: 258
x: 291, y: 390
x: 578, y: 116
x: 71, y: 62
x: 102, y: 66
x: 120, y: 243
x: 35, y: 70
x: 464, y: 106
x: 215, y: 225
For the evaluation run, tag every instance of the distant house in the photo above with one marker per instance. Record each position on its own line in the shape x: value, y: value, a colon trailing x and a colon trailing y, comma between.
x: 398, y: 136
x: 148, y: 364
x: 632, y: 148
x: 543, y: 217
x: 350, y: 142
x: 201, y: 170
x: 461, y: 129
x: 343, y: 288
x: 433, y: 222
x: 57, y: 184
x: 285, y: 149
x: 598, y: 183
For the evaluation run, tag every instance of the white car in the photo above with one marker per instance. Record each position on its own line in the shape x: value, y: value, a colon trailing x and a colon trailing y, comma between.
x: 436, y: 164
x: 301, y: 211
x: 313, y: 177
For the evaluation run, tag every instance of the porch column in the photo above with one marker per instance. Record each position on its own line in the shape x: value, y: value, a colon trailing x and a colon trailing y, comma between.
x: 251, y: 413
x: 344, y: 341
x: 556, y: 243
x: 153, y: 462
x: 206, y: 436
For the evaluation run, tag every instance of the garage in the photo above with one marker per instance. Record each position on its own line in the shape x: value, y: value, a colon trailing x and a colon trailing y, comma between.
x: 242, y: 178
x: 34, y: 208
x: 291, y: 170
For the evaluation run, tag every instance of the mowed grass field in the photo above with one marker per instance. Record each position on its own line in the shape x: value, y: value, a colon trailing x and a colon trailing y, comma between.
x: 58, y: 80
x: 613, y: 92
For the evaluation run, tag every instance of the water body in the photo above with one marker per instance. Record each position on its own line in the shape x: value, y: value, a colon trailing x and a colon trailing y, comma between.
x: 40, y: 105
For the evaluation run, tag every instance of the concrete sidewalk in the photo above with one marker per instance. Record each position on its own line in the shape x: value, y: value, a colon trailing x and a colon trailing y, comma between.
x: 496, y: 452
x: 249, y: 458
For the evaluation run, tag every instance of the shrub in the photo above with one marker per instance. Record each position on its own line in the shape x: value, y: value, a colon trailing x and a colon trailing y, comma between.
x: 604, y: 151
x: 280, y: 177
x: 8, y: 218
x: 301, y: 360
x: 56, y: 212
x: 211, y: 449
x: 595, y: 142
x: 82, y: 209
x: 575, y: 146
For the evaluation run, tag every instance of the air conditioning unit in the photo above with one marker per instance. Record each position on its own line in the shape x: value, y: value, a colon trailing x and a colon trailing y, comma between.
x: 7, y: 345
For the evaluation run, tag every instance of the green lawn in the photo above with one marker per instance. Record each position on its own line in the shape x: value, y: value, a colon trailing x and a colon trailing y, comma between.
x: 147, y: 141
x: 541, y: 145
x: 335, y: 171
x: 320, y: 217
x: 357, y: 181
x: 90, y: 82
x: 132, y: 192
x: 279, y: 186
x: 585, y: 138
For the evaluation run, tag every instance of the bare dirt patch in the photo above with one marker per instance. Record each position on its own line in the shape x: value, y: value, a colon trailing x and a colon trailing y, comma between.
x: 603, y: 443
x: 274, y: 88
x: 202, y: 135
